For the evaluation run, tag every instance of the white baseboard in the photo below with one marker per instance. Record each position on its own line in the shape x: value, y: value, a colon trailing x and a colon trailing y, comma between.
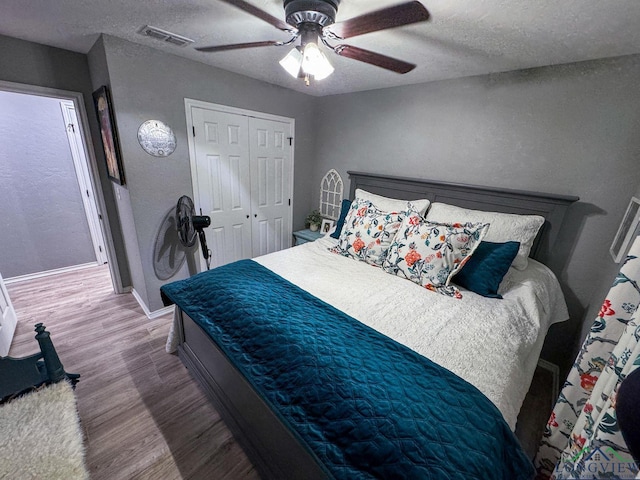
x: 161, y: 312
x: 151, y: 315
x: 46, y: 273
x: 555, y: 373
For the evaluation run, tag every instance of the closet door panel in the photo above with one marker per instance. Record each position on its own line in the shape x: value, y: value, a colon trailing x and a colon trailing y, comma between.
x: 271, y: 186
x: 223, y: 182
x: 242, y: 170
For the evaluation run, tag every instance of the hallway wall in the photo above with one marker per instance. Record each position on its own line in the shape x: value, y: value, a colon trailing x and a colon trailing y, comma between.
x: 43, y: 225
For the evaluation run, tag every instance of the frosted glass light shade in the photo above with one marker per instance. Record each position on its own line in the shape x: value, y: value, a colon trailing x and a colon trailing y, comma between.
x: 292, y: 62
x: 311, y: 61
x: 315, y: 63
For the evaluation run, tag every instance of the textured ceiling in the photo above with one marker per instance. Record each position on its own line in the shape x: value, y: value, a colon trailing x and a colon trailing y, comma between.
x: 463, y: 37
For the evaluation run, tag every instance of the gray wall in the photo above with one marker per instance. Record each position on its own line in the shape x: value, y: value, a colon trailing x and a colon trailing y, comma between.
x: 99, y: 71
x: 43, y: 225
x: 570, y: 129
x: 34, y: 64
x: 147, y: 84
x: 563, y: 129
x: 603, y: 284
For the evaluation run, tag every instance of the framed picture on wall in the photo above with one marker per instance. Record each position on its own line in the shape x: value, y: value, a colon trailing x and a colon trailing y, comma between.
x: 109, y: 133
x: 627, y: 231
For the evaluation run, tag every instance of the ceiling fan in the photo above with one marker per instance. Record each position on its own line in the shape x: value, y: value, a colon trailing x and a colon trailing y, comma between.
x: 313, y: 21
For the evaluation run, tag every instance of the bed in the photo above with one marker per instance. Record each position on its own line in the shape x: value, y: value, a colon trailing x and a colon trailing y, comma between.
x: 430, y: 353
x: 21, y: 375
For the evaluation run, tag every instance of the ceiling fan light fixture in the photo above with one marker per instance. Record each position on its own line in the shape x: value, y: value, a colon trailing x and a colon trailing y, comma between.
x: 315, y: 63
x: 313, y: 23
x: 292, y: 62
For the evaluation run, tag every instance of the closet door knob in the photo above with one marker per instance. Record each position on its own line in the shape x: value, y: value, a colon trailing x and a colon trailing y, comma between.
x: 247, y: 216
x: 255, y: 215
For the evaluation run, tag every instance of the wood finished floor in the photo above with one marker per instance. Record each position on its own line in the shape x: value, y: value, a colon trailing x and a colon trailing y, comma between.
x: 143, y: 415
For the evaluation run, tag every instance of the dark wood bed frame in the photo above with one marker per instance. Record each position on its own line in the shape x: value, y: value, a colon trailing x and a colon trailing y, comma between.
x: 274, y: 450
x: 20, y: 375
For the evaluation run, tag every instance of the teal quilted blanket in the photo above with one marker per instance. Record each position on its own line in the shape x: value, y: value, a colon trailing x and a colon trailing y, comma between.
x: 363, y: 404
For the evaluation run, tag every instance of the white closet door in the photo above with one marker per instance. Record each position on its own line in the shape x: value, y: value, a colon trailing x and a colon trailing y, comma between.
x: 8, y: 320
x: 271, y: 189
x: 223, y: 182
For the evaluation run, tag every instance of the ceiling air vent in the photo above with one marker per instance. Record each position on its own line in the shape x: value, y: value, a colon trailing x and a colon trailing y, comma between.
x: 163, y: 35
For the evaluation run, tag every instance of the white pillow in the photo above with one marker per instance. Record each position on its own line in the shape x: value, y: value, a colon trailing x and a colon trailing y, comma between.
x: 504, y: 227
x: 387, y: 204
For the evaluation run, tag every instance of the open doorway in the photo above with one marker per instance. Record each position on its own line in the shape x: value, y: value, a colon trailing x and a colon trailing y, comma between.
x: 53, y: 208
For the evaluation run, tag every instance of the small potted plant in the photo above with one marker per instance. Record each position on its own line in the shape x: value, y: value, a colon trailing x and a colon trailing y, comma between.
x: 314, y: 219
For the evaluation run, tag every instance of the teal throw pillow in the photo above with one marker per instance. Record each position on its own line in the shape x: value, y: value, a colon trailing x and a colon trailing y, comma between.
x: 346, y: 205
x: 486, y: 268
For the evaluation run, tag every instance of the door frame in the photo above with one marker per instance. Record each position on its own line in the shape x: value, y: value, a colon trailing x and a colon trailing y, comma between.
x: 92, y: 166
x: 8, y: 328
x: 190, y: 103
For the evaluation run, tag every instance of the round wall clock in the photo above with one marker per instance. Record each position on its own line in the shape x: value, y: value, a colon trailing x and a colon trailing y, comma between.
x: 156, y: 138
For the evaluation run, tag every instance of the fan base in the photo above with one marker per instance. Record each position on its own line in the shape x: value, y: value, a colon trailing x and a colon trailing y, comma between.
x: 320, y: 12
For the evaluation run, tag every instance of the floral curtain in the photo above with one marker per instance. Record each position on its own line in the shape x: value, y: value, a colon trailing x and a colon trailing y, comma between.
x: 582, y: 439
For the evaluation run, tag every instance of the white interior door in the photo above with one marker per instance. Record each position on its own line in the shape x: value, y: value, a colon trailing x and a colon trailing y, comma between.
x: 81, y: 164
x: 8, y: 320
x: 271, y: 188
x: 242, y: 171
x: 222, y: 182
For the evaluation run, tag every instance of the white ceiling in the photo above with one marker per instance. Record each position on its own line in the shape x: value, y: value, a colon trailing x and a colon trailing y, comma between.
x: 463, y: 37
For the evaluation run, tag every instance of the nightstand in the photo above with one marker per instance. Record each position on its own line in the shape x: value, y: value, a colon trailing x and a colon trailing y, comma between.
x: 306, y: 235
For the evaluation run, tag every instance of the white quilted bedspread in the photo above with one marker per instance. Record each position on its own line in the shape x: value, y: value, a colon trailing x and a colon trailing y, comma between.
x: 493, y: 344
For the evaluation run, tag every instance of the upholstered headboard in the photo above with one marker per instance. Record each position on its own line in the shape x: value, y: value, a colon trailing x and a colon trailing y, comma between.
x: 550, y: 206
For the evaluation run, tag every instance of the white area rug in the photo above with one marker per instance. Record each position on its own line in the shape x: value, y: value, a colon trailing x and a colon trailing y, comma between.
x: 40, y: 436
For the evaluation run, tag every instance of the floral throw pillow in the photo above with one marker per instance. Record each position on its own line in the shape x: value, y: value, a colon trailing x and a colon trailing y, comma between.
x: 429, y: 253
x: 368, y: 232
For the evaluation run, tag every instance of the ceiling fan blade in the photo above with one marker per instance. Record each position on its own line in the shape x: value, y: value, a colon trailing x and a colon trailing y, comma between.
x: 236, y: 46
x: 396, y: 16
x: 261, y: 14
x: 373, y: 58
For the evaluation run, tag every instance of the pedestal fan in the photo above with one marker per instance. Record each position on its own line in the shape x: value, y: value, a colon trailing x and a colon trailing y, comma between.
x: 189, y: 225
